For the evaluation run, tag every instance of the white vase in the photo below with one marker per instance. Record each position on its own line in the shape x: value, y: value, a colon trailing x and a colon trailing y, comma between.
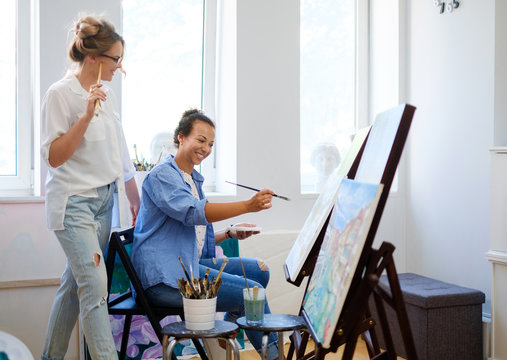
x: 199, y: 313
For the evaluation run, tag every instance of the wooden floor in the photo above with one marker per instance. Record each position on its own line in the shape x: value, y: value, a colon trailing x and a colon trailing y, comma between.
x: 360, y: 354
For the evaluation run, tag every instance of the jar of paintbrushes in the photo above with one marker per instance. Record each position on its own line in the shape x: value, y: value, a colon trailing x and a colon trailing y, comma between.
x: 200, y: 298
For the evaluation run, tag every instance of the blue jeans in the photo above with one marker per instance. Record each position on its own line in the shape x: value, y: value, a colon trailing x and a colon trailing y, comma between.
x: 230, y: 295
x: 83, y: 285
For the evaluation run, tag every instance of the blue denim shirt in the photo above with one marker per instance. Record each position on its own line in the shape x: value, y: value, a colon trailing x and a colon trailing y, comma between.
x: 165, y: 226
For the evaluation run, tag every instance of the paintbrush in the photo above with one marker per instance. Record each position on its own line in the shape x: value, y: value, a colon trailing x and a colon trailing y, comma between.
x: 218, y: 281
x: 216, y: 286
x: 181, y: 286
x: 97, y: 104
x: 255, y: 292
x: 189, y: 293
x: 202, y: 289
x: 221, y: 269
x: 184, y: 270
x: 206, y: 279
x: 189, y: 281
x: 244, y: 274
x: 208, y: 289
x: 254, y: 189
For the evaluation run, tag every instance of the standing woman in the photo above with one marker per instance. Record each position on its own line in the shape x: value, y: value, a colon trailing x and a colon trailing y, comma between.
x: 88, y: 161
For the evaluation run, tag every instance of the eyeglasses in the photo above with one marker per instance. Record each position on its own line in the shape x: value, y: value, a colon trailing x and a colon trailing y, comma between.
x: 116, y: 59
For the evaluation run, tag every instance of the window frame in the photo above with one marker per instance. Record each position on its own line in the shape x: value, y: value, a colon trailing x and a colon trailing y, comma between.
x: 208, y: 85
x: 207, y: 98
x: 362, y: 64
x: 22, y: 184
x: 361, y: 72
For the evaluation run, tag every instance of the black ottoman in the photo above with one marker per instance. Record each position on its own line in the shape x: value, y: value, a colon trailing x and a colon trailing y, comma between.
x: 446, y: 320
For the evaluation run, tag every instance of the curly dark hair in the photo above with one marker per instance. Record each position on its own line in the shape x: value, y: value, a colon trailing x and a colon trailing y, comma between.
x: 187, y: 123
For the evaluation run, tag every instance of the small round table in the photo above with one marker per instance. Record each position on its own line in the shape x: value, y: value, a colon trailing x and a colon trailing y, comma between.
x: 222, y: 330
x: 274, y: 322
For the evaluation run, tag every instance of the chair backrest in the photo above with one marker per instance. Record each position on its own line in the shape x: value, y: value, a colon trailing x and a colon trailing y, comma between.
x: 119, y: 240
x: 117, y: 243
x: 117, y: 247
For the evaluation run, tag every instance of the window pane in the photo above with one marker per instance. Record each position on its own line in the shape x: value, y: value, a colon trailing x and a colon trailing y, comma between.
x: 163, y: 61
x: 8, y: 87
x: 327, y: 98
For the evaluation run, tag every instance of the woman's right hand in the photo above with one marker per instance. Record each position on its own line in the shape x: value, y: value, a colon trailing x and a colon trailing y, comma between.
x: 95, y: 94
x: 260, y: 201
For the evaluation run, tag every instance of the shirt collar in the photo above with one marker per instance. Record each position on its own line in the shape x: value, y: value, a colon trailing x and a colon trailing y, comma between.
x: 74, y: 84
x: 195, y: 174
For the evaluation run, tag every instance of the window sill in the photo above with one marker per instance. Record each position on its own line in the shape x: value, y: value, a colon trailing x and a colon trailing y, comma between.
x: 21, y: 199
x: 220, y: 196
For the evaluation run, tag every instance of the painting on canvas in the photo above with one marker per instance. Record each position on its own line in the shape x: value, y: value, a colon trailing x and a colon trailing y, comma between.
x: 339, y: 255
x: 321, y: 209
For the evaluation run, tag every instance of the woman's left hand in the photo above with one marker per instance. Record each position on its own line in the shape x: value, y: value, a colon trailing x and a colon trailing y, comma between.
x: 134, y: 210
x: 241, y: 235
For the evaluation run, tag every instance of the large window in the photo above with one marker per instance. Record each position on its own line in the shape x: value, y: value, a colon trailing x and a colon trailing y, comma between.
x: 165, y: 64
x: 328, y: 68
x: 15, y: 98
x: 7, y: 88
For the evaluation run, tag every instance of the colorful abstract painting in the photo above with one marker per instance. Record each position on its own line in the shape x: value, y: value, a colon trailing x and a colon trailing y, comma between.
x: 339, y: 255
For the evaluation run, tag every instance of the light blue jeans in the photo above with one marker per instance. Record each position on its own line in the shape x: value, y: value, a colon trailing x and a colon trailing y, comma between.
x: 230, y: 295
x: 83, y: 285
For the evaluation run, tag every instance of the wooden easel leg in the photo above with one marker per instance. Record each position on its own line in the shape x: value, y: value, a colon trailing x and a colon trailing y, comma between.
x: 350, y: 348
x: 291, y: 347
x: 370, y: 337
x: 391, y: 352
x: 298, y: 343
x: 401, y: 312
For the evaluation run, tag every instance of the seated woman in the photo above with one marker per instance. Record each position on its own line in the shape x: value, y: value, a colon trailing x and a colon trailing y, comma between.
x: 175, y: 220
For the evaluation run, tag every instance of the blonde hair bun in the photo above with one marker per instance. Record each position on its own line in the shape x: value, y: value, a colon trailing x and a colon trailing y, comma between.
x: 92, y: 36
x: 86, y: 27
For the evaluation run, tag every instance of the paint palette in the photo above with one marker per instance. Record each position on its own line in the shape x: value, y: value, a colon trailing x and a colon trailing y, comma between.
x: 245, y: 228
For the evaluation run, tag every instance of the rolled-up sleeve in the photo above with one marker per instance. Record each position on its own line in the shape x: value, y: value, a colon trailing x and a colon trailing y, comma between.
x: 173, y: 197
x: 55, y: 121
x: 128, y: 167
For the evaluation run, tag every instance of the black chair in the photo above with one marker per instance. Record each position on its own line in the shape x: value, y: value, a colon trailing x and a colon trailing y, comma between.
x: 125, y: 304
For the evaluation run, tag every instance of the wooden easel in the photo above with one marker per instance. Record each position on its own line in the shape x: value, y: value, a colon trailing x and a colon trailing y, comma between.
x: 355, y: 317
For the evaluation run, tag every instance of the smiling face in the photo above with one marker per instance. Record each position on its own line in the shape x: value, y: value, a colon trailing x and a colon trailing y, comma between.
x: 195, y: 147
x: 109, y: 61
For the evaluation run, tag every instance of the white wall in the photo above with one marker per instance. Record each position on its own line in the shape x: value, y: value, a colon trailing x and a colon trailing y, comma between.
x: 451, y: 81
x: 500, y: 124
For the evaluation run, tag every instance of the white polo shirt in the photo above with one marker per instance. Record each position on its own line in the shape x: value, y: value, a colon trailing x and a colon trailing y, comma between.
x: 101, y: 157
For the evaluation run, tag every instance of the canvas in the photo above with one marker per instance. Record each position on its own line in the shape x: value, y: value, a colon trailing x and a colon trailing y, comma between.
x: 321, y: 209
x: 379, y: 145
x: 312, y: 226
x: 338, y: 257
